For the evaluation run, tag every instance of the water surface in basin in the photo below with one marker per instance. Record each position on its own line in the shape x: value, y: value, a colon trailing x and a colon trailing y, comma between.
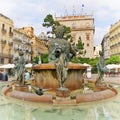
x: 12, y: 109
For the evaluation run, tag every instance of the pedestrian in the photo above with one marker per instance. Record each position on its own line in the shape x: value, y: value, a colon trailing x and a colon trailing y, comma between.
x: 89, y: 72
x: 27, y: 75
x: 4, y: 76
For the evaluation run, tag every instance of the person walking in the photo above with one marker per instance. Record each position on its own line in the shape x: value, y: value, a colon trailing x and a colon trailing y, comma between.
x: 4, y: 76
x: 27, y: 75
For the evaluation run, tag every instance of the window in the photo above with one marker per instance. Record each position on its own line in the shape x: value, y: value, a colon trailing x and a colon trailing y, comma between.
x: 87, y: 36
x: 10, y: 60
x: 87, y: 44
x: 3, y: 38
x: 3, y: 26
x: 73, y: 25
x: 87, y: 24
x: 2, y: 60
x: 10, y: 30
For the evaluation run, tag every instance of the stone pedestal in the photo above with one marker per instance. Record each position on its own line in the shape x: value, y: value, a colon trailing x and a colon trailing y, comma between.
x: 62, y: 92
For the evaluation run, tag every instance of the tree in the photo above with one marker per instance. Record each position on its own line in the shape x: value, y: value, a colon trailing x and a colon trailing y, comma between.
x: 93, y: 63
x: 50, y: 22
x: 67, y: 32
x: 113, y: 60
x: 44, y: 58
x: 80, y: 47
x: 36, y: 60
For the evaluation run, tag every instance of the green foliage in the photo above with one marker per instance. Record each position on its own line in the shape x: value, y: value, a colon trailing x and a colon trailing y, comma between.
x: 92, y: 62
x: 80, y: 45
x: 44, y: 58
x: 67, y: 32
x: 94, y: 69
x: 50, y: 22
x: 80, y: 60
x: 75, y: 60
x: 113, y: 60
x: 36, y: 60
x: 84, y: 60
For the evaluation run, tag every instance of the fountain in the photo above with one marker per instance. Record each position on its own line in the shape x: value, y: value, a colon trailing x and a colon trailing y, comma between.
x: 59, y: 81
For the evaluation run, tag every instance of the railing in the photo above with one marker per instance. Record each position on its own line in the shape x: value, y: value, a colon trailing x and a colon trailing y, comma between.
x: 10, y: 33
x: 10, y: 42
x: 3, y: 41
x: 3, y: 31
x: 3, y: 55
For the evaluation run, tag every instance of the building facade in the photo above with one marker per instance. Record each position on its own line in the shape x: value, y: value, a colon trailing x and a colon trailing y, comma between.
x: 106, y: 46
x: 114, y: 35
x: 6, y: 39
x: 22, y: 41
x: 37, y: 43
x: 96, y: 50
x: 81, y: 26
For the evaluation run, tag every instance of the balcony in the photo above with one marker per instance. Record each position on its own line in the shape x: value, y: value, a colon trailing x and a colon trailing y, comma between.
x: 10, y: 34
x: 3, y: 31
x: 10, y: 42
x: 3, y: 55
x: 3, y: 41
x: 17, y: 39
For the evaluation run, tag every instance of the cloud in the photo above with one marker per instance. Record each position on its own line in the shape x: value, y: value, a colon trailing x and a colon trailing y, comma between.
x: 33, y: 12
x: 99, y: 34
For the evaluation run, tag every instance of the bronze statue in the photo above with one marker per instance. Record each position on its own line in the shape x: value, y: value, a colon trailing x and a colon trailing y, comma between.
x: 60, y: 53
x: 101, y: 67
x: 20, y: 68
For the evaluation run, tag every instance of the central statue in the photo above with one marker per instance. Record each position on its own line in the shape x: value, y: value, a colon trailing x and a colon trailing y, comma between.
x: 60, y: 53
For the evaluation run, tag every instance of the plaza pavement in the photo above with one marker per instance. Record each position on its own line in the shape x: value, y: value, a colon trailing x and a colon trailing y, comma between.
x: 108, y: 79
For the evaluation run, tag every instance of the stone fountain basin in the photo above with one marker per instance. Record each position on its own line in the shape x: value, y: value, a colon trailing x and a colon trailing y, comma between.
x: 98, y: 95
x: 46, y: 76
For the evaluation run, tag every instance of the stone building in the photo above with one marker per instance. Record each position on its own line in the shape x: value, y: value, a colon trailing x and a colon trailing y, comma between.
x: 114, y: 36
x: 37, y: 43
x: 81, y: 26
x: 6, y: 39
x: 96, y: 50
x: 22, y: 41
x: 29, y: 31
x: 43, y: 49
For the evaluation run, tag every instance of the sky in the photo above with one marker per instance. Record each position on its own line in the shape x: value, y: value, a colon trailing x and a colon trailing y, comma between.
x: 33, y: 12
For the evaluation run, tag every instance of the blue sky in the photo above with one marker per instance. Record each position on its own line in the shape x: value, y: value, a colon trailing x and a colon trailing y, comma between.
x: 33, y: 12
